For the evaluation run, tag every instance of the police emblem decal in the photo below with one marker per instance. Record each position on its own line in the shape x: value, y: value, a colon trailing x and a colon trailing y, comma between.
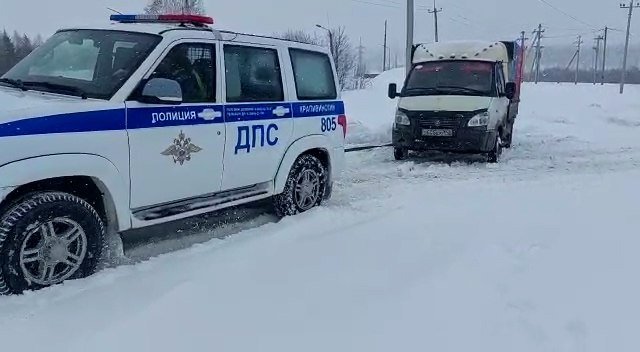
x: 181, y: 149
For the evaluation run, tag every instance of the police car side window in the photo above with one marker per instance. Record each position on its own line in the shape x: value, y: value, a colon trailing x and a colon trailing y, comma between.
x: 252, y: 74
x: 313, y: 75
x: 193, y: 67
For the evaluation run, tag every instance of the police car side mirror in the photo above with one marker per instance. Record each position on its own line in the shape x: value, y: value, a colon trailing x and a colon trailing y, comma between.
x: 161, y: 91
x: 393, y: 91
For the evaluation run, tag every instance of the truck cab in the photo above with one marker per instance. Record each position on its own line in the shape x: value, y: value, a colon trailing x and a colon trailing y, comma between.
x: 458, y: 97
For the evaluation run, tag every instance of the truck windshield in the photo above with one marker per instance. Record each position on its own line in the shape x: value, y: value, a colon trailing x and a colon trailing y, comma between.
x: 87, y: 63
x: 451, y: 78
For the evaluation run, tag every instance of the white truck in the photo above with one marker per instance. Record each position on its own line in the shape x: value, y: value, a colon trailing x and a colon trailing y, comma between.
x: 460, y: 96
x: 151, y: 119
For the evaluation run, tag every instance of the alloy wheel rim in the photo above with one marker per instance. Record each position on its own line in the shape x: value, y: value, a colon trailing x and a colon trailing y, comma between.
x: 53, y: 251
x: 307, y: 189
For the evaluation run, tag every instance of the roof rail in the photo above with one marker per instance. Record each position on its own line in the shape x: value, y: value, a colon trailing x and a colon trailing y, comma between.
x: 265, y: 37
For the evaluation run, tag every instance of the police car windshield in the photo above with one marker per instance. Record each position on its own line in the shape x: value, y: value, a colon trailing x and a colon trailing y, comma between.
x: 88, y: 63
x: 450, y: 77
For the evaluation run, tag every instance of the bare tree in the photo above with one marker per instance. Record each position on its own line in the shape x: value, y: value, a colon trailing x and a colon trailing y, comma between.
x: 156, y: 7
x: 38, y: 41
x: 301, y: 36
x: 344, y: 56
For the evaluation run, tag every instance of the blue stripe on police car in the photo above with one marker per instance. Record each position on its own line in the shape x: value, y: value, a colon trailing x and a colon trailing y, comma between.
x: 150, y: 117
x: 318, y: 109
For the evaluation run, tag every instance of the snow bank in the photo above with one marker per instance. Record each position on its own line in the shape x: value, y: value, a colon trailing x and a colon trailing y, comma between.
x: 371, y: 112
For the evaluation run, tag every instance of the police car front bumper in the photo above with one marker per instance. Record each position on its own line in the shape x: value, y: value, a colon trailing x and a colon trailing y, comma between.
x: 461, y: 140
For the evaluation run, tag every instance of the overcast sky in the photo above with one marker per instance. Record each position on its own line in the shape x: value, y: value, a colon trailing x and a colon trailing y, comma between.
x: 461, y: 19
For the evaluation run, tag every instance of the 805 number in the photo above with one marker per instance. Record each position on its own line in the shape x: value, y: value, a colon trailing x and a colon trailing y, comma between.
x: 328, y: 124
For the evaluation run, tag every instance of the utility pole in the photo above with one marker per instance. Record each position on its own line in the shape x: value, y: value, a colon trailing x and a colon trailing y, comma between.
x: 579, y: 43
x: 535, y: 58
x: 409, y: 48
x: 604, y: 55
x: 596, y: 48
x: 538, y: 51
x: 631, y: 6
x: 435, y: 12
x: 384, y: 53
x: 360, y: 70
x: 521, y: 64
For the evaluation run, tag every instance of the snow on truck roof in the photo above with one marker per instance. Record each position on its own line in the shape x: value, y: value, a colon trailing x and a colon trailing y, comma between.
x: 461, y: 50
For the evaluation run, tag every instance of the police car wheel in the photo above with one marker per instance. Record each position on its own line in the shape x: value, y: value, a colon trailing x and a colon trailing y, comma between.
x: 305, y: 187
x: 47, y: 238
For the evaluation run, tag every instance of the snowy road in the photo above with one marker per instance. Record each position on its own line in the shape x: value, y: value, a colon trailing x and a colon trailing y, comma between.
x: 537, y: 253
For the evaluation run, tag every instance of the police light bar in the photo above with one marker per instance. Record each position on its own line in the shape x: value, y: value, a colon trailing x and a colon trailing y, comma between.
x: 194, y: 19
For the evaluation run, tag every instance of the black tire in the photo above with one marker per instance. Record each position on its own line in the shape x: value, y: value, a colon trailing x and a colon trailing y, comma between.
x: 400, y: 153
x: 494, y: 155
x: 290, y: 202
x: 507, y: 140
x: 45, y: 228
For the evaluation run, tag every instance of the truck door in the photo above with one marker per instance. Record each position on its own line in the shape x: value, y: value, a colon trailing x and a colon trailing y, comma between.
x: 501, y: 105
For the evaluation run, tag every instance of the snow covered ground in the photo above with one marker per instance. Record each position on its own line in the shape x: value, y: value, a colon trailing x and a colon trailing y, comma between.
x: 536, y: 253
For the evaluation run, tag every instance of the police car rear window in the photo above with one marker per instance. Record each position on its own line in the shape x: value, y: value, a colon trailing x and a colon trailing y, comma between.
x: 313, y: 75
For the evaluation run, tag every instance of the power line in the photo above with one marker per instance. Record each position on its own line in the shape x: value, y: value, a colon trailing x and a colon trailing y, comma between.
x: 378, y: 4
x: 565, y: 13
x: 399, y: 6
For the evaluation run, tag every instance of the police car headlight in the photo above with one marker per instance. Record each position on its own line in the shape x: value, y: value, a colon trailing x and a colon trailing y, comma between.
x: 482, y: 119
x: 402, y: 118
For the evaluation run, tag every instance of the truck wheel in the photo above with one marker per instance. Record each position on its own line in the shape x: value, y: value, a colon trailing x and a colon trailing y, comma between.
x: 494, y: 155
x: 305, y: 187
x: 47, y: 238
x: 400, y: 153
x: 508, y: 138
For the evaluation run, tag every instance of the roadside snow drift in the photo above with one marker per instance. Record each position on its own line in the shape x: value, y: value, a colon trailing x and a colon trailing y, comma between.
x: 537, y: 253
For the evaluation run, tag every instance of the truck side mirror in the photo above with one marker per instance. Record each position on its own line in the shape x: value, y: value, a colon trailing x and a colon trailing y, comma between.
x: 393, y: 91
x: 161, y: 91
x: 510, y: 90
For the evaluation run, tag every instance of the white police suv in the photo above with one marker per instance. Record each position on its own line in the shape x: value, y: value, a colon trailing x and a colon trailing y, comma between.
x: 152, y: 119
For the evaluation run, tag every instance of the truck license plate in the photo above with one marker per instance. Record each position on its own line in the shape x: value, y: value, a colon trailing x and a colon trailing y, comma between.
x: 437, y: 133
